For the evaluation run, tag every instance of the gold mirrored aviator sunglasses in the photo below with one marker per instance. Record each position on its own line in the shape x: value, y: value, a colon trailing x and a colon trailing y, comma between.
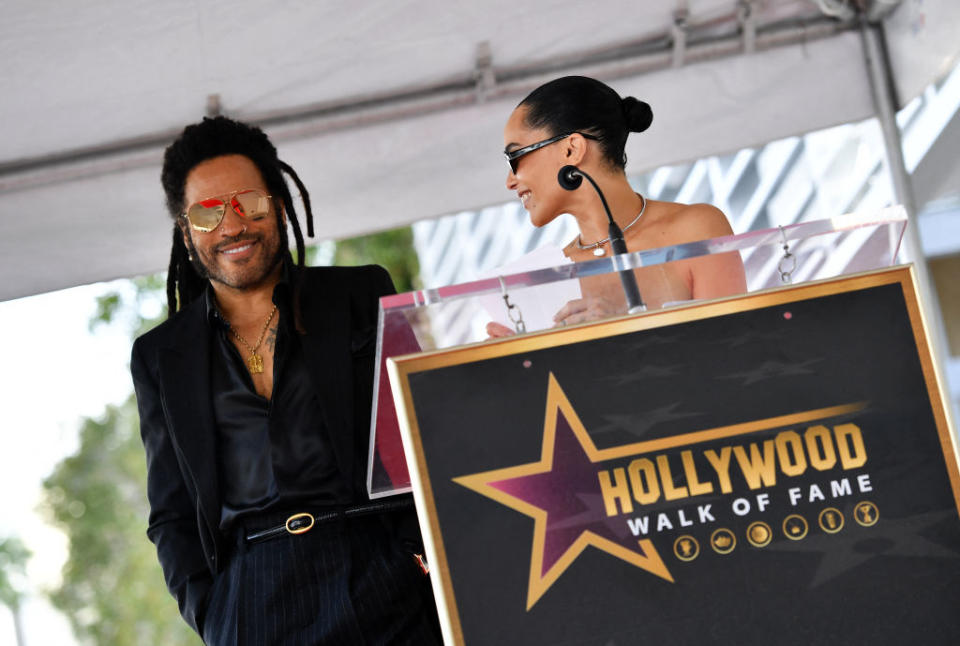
x: 206, y: 214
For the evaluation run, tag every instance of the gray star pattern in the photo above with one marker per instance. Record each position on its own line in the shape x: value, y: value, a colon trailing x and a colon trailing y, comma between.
x: 640, y: 425
x: 769, y: 369
x: 643, y: 373
x: 839, y: 551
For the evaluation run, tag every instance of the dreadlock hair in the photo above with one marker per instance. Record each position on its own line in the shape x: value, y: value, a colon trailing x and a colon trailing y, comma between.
x: 216, y: 137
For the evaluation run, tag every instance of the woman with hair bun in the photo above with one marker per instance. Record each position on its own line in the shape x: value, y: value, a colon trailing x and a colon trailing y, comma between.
x: 581, y: 121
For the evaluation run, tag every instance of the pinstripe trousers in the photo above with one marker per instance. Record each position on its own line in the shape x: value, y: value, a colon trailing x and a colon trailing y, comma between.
x: 348, y: 582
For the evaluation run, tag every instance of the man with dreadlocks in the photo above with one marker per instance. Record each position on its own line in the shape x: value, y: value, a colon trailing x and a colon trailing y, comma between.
x: 254, y: 400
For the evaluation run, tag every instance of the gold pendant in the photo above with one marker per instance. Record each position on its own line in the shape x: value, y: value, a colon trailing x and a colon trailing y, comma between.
x: 255, y: 364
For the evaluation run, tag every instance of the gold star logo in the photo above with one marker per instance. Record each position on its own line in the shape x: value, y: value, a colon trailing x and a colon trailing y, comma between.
x: 546, y: 490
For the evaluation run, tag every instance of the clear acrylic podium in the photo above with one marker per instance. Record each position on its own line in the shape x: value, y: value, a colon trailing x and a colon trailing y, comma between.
x: 447, y: 317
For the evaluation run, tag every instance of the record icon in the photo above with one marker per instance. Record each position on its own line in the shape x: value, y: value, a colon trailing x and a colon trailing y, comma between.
x: 759, y: 534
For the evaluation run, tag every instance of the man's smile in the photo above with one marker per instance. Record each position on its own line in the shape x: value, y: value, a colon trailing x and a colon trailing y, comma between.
x: 236, y: 248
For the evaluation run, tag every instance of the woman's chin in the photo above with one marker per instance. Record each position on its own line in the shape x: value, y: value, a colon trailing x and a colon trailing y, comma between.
x: 539, y: 218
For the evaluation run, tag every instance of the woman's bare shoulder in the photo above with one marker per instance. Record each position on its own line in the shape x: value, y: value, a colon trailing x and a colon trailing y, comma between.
x: 691, y: 222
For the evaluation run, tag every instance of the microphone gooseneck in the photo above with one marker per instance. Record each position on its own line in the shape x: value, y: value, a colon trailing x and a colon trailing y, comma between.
x: 570, y: 178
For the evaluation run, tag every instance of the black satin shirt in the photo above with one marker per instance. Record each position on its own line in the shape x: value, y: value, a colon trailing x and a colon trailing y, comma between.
x: 272, y: 454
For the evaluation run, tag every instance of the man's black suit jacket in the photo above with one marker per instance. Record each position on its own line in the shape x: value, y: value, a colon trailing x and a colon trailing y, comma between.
x: 171, y: 374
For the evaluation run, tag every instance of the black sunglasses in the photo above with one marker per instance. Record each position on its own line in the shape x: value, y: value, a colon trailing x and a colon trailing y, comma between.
x: 513, y: 156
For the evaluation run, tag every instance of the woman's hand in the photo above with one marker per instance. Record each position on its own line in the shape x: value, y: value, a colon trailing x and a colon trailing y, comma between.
x: 590, y: 308
x: 498, y: 330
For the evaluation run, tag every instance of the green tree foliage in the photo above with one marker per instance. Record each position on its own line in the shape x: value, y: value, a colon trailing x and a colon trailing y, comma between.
x: 139, y: 307
x: 112, y: 589
x: 13, y: 564
x: 393, y: 249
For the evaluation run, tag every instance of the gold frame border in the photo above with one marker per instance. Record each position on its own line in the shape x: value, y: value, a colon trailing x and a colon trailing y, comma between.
x: 402, y: 366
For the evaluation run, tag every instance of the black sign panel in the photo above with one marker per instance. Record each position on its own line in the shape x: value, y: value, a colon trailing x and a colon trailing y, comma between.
x: 771, y: 469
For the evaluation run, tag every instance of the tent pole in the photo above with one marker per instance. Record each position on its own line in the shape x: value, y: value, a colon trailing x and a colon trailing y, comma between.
x: 882, y: 86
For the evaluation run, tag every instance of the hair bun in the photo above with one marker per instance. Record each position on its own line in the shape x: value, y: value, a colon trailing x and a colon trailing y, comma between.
x: 638, y: 114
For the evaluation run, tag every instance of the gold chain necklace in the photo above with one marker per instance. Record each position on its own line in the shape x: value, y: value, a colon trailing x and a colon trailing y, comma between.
x: 255, y: 361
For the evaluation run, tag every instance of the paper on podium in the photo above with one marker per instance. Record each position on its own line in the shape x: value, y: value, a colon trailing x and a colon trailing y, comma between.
x: 537, y: 305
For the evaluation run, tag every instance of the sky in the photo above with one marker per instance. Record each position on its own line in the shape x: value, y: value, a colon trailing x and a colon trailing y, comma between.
x: 56, y: 371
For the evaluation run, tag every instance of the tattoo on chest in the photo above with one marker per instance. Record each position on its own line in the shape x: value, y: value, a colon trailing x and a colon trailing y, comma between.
x: 271, y: 339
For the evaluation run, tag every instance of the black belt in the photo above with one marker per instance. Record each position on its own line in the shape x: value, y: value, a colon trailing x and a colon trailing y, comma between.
x: 301, y: 522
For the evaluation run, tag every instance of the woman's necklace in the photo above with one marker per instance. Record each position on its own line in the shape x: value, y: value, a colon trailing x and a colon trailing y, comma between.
x: 255, y: 361
x: 597, y: 246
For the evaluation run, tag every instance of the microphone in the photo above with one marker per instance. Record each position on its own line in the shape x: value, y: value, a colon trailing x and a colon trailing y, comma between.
x: 570, y: 178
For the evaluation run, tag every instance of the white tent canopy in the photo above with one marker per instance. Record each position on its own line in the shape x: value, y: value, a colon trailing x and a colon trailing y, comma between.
x: 390, y: 110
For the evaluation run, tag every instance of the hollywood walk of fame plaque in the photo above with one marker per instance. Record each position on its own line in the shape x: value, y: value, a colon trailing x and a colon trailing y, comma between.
x: 775, y: 468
